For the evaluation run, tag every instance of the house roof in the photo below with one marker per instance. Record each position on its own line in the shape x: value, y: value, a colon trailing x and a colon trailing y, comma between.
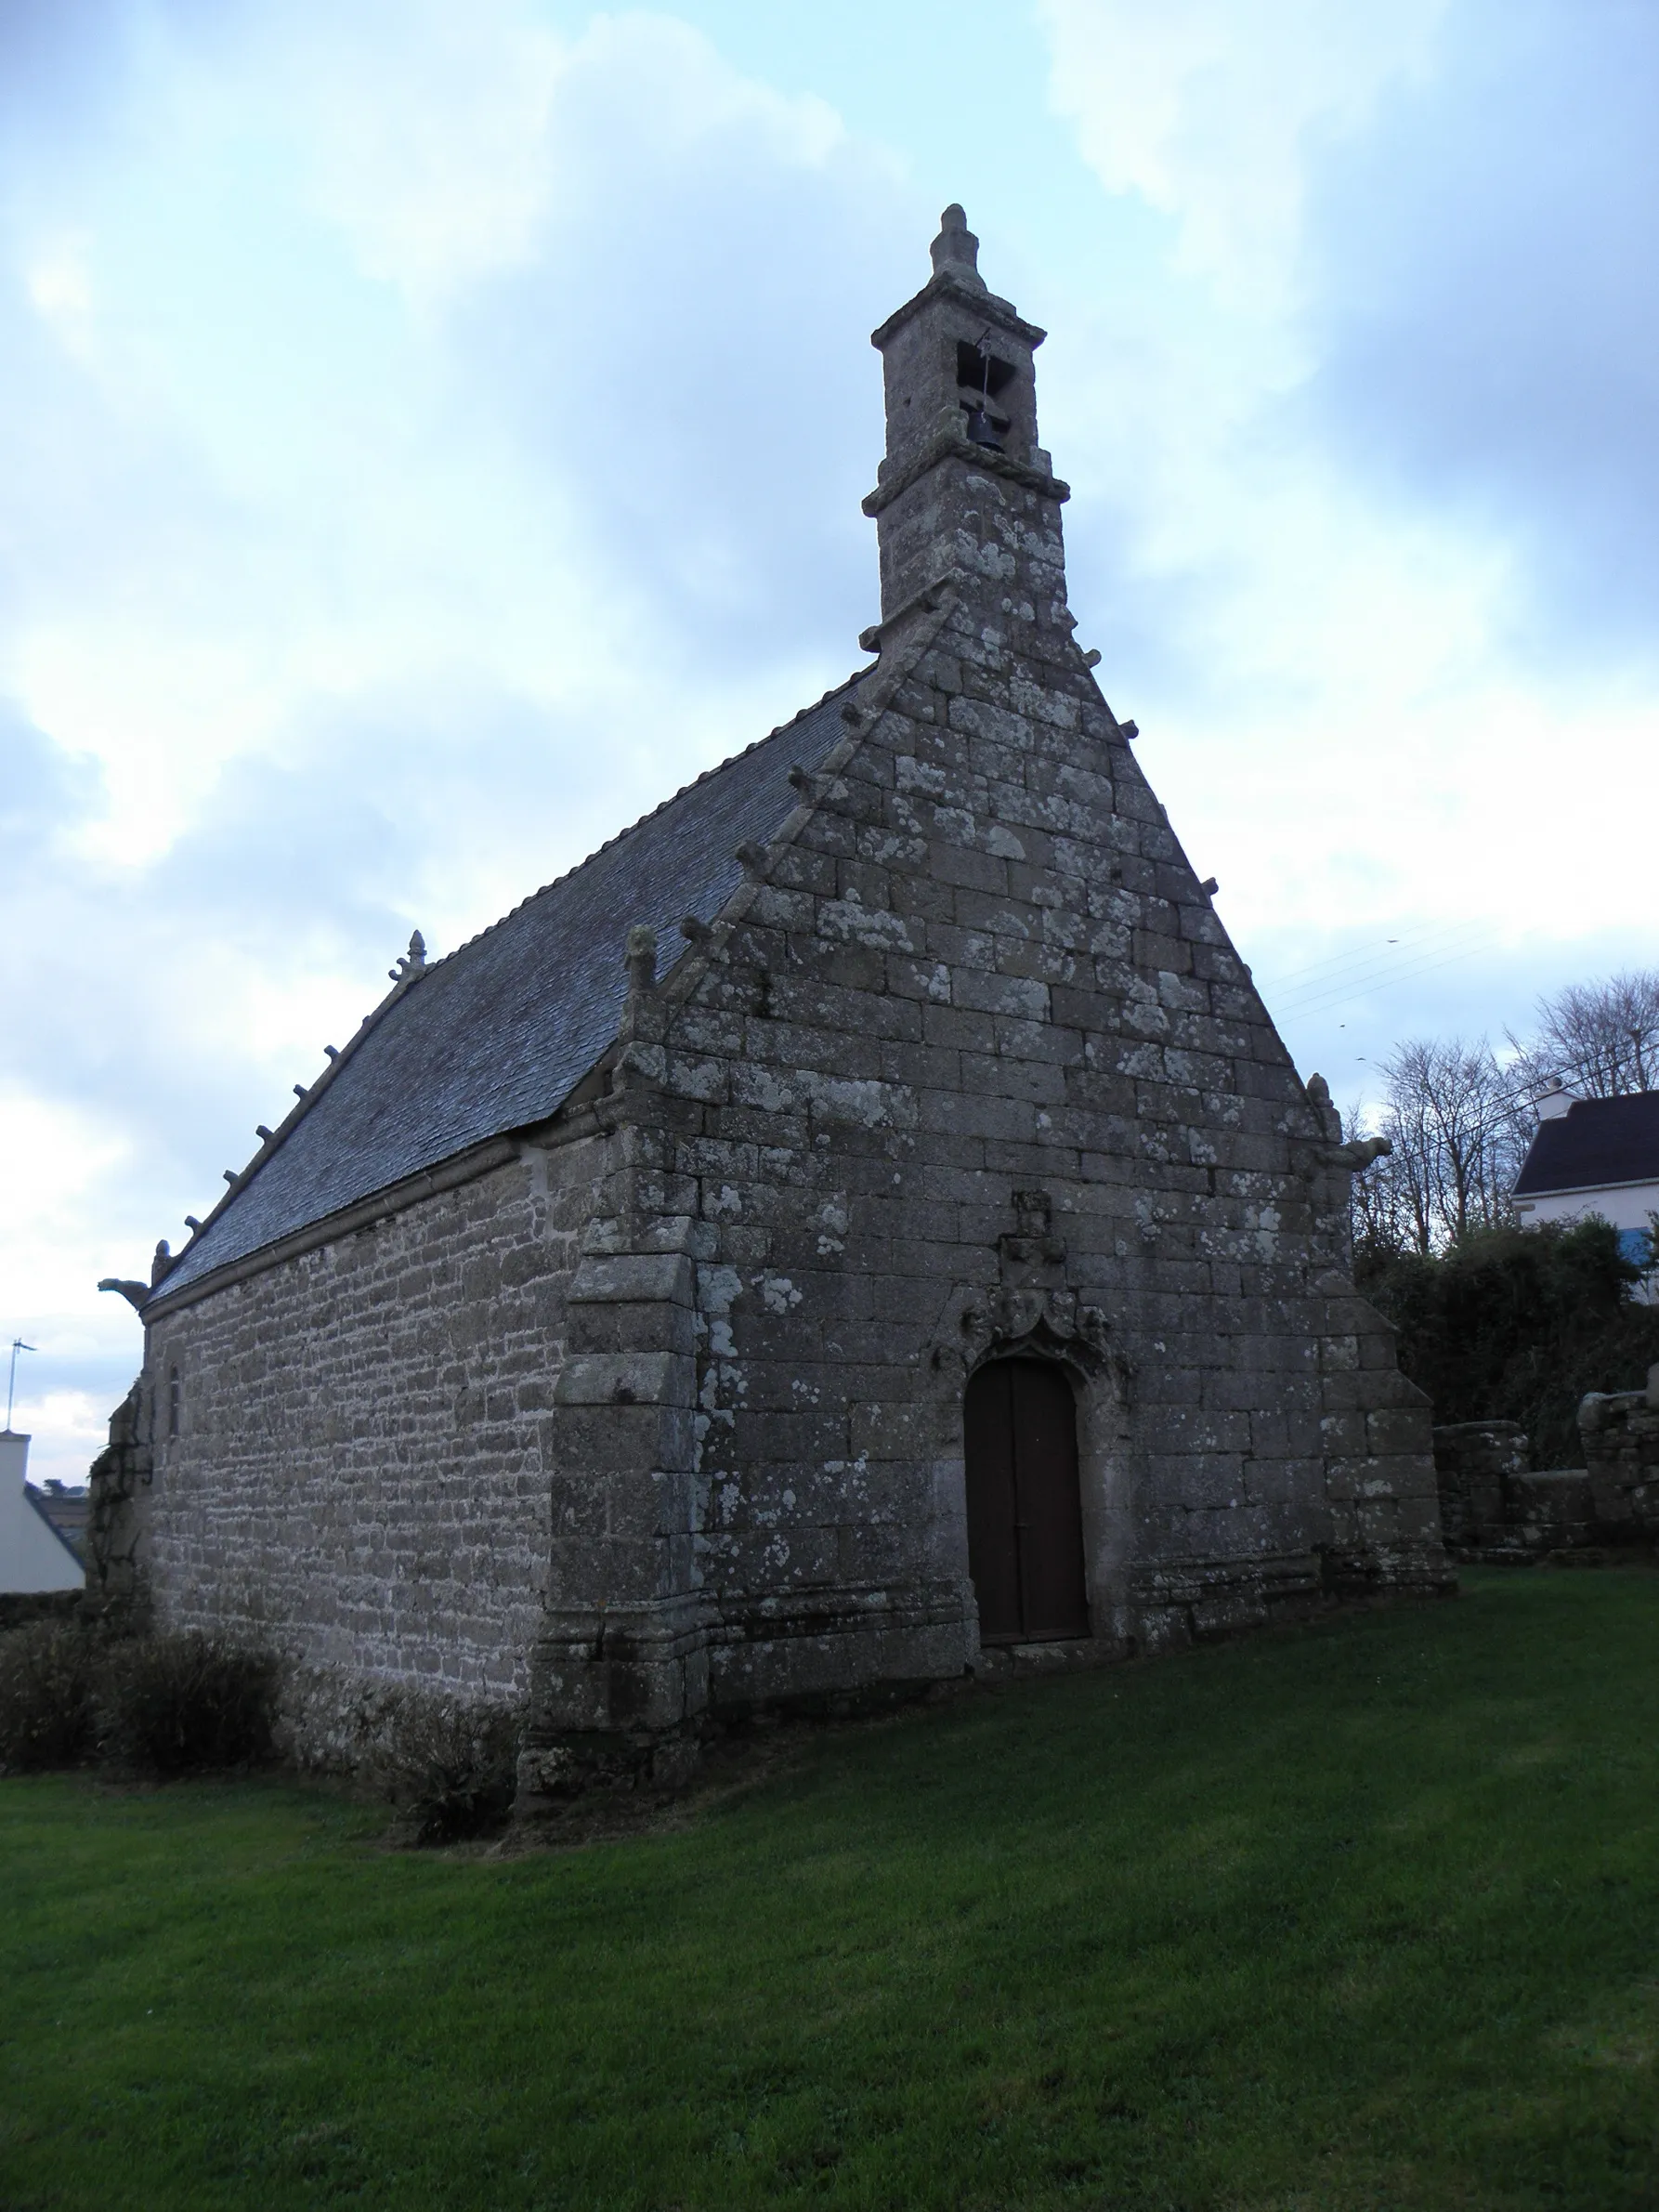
x: 1596, y: 1144
x: 34, y: 1499
x: 495, y: 1037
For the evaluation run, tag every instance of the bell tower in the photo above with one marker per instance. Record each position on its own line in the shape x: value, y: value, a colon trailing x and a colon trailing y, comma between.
x: 965, y: 492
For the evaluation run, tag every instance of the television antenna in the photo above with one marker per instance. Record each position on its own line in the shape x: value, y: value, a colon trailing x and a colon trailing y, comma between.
x: 12, y: 1382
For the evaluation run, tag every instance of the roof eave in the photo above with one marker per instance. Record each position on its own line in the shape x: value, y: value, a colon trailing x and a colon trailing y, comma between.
x: 1581, y: 1190
x: 291, y: 1121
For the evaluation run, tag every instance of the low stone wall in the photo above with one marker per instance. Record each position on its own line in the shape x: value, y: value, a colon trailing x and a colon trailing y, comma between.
x: 1492, y: 1506
x: 1620, y: 1431
x: 1474, y: 1462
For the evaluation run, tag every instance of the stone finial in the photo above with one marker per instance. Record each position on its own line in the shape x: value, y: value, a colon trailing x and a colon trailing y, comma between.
x: 413, y: 963
x: 162, y: 1261
x: 641, y: 957
x: 1330, y: 1120
x: 956, y: 250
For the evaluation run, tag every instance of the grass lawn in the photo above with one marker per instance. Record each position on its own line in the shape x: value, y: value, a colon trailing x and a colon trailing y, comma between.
x: 1362, y: 1914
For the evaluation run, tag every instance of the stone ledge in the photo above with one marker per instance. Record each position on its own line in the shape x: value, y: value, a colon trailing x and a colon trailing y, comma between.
x: 625, y: 1379
x: 628, y: 1278
x: 987, y: 460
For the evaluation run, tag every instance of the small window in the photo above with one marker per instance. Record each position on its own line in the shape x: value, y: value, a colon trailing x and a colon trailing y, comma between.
x: 175, y: 1402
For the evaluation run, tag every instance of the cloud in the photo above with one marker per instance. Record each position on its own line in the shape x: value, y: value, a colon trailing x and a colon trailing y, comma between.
x: 421, y: 131
x: 416, y: 473
x: 688, y: 374
x: 1419, y: 241
x: 432, y: 435
x: 1216, y: 115
x: 1362, y: 436
x: 290, y: 431
x: 1488, y: 328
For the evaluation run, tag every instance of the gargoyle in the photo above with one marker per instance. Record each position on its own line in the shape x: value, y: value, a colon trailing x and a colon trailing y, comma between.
x: 1357, y: 1155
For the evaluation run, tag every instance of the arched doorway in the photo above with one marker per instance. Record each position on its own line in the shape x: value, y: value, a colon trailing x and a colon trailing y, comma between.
x: 1025, y: 1524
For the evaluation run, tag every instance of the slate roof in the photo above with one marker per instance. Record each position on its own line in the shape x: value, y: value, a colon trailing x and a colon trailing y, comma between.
x: 1598, y: 1142
x: 496, y: 1037
x: 58, y: 1523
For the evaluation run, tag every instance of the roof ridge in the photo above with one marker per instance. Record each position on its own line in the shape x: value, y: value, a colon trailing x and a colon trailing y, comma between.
x: 673, y: 799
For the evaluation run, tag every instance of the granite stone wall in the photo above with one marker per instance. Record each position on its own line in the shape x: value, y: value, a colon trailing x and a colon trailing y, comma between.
x: 1495, y: 1507
x: 359, y: 1476
x: 1620, y: 1432
x: 969, y: 1067
x: 966, y: 1067
x: 980, y: 1069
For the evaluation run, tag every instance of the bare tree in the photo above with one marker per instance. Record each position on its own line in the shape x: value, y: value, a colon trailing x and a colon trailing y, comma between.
x: 1383, y: 1220
x: 1601, y: 1040
x: 1458, y: 1139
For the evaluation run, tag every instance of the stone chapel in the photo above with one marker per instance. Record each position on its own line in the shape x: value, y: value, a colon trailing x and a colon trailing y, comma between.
x: 859, y: 1227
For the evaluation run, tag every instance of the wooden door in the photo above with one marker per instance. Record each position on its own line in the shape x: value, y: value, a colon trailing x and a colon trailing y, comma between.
x: 1025, y: 1524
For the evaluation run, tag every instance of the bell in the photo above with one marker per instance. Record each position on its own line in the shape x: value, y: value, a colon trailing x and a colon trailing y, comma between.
x: 982, y: 430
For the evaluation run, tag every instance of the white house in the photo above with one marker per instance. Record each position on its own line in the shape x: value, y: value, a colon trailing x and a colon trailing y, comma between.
x: 1594, y: 1156
x: 32, y: 1555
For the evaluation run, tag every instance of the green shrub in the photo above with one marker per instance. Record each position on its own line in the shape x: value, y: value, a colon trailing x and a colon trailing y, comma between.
x: 448, y: 1768
x: 179, y: 1703
x: 47, y: 1676
x: 1516, y: 1325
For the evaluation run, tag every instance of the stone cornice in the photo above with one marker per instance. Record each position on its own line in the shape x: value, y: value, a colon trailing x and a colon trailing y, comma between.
x: 999, y: 313
x: 986, y: 458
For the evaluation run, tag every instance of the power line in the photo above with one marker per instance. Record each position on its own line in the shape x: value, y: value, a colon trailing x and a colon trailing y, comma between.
x: 1372, y: 963
x: 1342, y: 989
x: 1293, y: 978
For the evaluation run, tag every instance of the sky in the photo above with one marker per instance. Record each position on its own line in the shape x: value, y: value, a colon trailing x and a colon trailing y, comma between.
x: 432, y: 431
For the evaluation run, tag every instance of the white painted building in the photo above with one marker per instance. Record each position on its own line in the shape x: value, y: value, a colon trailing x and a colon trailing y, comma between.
x: 32, y: 1555
x: 1594, y: 1156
